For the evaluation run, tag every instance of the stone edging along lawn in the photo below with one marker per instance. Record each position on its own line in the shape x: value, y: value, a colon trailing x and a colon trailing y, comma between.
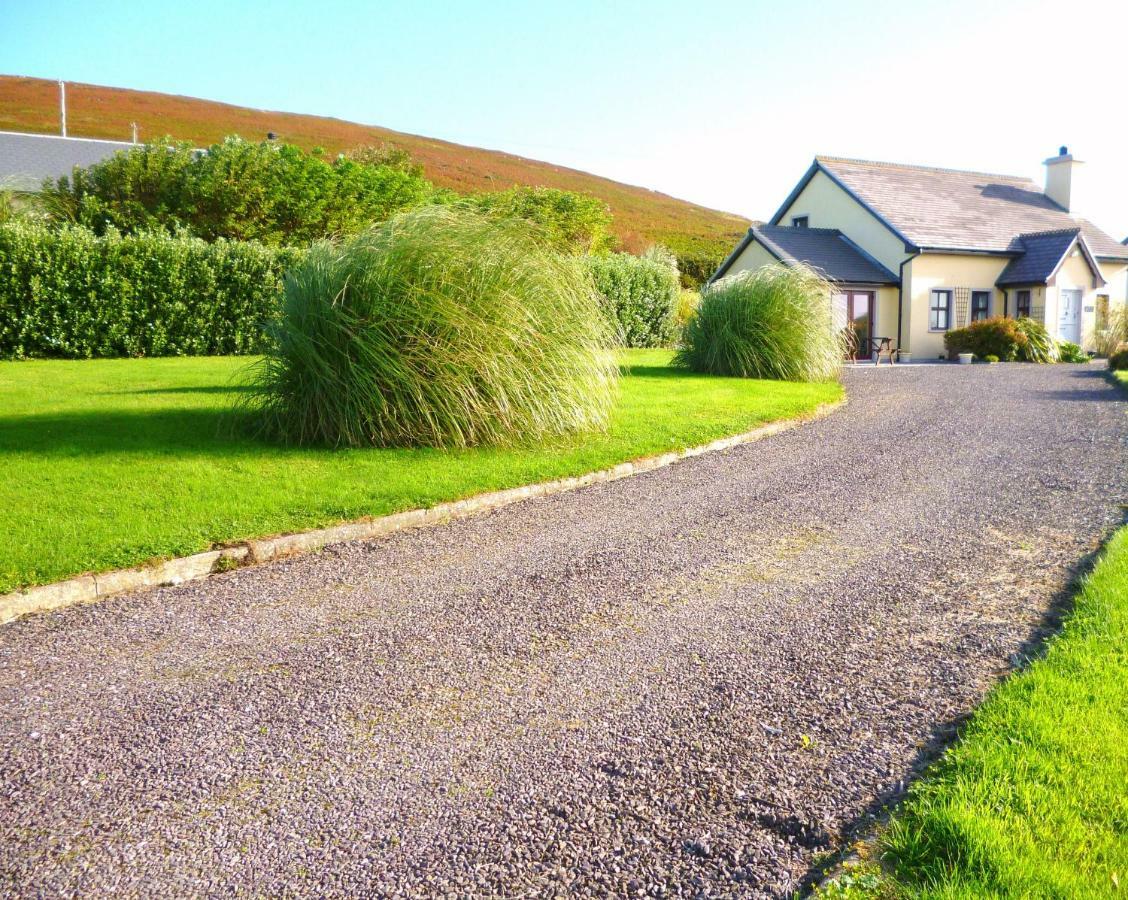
x: 92, y: 587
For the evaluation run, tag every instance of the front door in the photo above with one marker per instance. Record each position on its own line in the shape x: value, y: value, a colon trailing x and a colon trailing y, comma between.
x: 853, y: 313
x: 1069, y: 315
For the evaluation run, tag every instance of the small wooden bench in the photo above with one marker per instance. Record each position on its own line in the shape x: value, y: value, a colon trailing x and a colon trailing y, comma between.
x: 883, y: 346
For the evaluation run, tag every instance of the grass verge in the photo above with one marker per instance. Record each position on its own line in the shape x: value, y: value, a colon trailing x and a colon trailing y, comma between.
x: 110, y: 463
x: 1031, y: 802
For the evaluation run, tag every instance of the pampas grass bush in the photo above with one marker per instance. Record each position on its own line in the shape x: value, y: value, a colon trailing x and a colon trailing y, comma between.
x: 774, y: 322
x: 443, y: 328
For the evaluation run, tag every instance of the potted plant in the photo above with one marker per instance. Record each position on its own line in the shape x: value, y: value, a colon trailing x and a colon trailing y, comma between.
x: 966, y: 358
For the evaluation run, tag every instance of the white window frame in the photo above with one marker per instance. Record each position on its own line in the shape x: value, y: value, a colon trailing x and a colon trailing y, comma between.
x: 805, y: 219
x: 951, y: 292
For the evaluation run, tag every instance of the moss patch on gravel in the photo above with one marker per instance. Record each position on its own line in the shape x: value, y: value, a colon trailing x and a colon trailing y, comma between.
x: 109, y: 463
x: 1031, y: 802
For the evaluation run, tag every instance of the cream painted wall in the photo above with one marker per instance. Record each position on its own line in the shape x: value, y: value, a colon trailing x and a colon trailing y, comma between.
x: 751, y: 258
x: 885, y: 324
x: 944, y: 270
x: 1075, y: 273
x: 828, y: 206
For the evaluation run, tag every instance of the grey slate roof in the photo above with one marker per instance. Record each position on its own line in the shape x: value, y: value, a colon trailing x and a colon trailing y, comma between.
x: 1043, y: 252
x: 27, y: 159
x: 825, y: 249
x: 955, y: 210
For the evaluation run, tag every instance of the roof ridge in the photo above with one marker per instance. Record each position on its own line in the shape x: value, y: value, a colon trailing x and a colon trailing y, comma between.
x: 1050, y: 231
x: 893, y: 165
x: 791, y: 228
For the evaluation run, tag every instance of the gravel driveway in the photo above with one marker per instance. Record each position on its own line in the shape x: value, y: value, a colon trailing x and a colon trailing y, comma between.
x: 691, y: 682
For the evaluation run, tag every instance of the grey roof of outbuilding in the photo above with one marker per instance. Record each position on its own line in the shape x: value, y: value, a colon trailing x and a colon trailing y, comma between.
x: 948, y: 209
x: 1042, y: 253
x: 826, y: 250
x: 27, y: 159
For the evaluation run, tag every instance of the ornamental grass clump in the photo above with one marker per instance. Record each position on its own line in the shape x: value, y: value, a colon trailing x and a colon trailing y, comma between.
x: 1037, y: 346
x: 442, y: 327
x: 775, y: 322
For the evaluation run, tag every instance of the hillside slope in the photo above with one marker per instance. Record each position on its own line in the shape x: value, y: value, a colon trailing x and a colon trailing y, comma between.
x: 641, y: 216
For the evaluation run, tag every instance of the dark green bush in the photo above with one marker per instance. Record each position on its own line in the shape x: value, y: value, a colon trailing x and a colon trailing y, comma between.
x: 269, y: 192
x: 443, y: 327
x: 775, y: 322
x: 1118, y: 361
x: 65, y: 292
x: 997, y: 337
x: 1070, y: 352
x: 571, y: 222
x: 639, y: 295
x: 698, y: 268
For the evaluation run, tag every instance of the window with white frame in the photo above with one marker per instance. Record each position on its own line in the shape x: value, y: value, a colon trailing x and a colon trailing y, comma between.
x: 940, y: 310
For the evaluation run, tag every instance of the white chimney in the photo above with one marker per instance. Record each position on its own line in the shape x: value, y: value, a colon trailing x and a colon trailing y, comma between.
x: 1063, y: 180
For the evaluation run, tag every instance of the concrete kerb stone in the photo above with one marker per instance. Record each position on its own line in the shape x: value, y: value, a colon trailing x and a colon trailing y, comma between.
x: 90, y: 588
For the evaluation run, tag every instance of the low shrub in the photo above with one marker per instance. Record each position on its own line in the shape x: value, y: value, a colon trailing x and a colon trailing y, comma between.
x: 1038, y: 347
x: 774, y: 322
x: 1119, y: 360
x: 640, y: 296
x: 65, y: 292
x: 1069, y: 352
x: 443, y: 327
x: 996, y: 337
x: 990, y: 358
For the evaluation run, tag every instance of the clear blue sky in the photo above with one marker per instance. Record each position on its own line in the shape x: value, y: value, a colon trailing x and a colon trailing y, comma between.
x: 717, y: 101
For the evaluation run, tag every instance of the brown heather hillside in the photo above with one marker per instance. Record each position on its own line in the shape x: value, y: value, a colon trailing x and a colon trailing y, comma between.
x: 641, y: 216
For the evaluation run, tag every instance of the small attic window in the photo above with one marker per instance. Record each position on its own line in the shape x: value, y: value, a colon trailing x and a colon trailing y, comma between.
x: 800, y: 221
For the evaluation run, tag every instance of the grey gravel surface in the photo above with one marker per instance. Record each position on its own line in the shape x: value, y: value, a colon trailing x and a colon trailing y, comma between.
x: 689, y: 683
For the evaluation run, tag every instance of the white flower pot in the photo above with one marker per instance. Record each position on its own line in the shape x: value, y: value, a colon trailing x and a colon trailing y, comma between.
x: 966, y: 358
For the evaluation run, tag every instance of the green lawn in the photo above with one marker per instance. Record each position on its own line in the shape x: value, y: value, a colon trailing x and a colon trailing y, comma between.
x: 109, y: 463
x: 1033, y: 799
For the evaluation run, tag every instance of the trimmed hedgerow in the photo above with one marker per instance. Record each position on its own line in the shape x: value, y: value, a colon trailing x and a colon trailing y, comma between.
x: 640, y: 296
x: 65, y: 292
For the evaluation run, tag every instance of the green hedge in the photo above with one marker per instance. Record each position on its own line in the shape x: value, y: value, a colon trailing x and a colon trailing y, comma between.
x: 65, y: 292
x: 640, y: 295
x: 988, y: 337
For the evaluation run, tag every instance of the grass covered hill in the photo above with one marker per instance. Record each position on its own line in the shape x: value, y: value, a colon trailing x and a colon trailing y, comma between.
x: 641, y: 216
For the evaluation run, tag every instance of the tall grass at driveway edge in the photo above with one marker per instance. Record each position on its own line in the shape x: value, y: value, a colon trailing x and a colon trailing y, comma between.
x: 443, y: 328
x: 774, y: 322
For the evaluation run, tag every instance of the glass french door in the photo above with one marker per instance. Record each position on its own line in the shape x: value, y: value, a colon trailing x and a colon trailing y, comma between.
x: 853, y: 314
